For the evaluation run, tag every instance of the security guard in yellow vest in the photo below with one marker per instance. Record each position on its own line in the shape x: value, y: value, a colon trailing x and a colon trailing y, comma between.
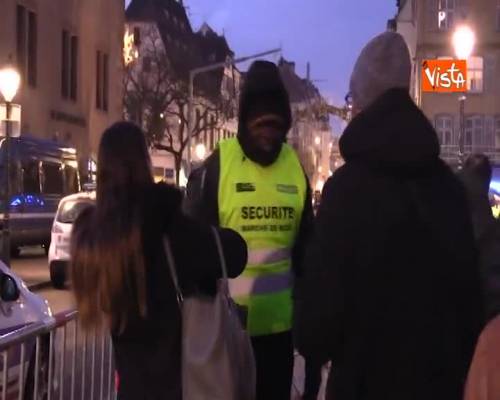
x: 255, y: 185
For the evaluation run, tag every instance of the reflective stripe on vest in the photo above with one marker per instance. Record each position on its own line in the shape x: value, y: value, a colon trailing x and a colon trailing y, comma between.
x: 258, y: 257
x: 243, y: 285
x: 264, y: 205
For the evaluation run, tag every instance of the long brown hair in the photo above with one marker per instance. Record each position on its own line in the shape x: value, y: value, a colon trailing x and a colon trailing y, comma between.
x: 108, y: 270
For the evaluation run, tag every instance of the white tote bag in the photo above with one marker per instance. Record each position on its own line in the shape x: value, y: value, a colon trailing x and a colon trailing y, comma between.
x: 217, y: 357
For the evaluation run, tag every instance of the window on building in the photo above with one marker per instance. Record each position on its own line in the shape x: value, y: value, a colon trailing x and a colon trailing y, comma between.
x: 229, y: 85
x: 137, y: 36
x: 204, y: 127
x: 71, y: 180
x: 146, y: 64
x: 98, y: 81
x: 446, y: 14
x: 52, y: 179
x: 105, y: 75
x: 212, y: 132
x: 21, y: 37
x: 69, y: 66
x: 498, y: 15
x: 444, y: 128
x: 32, y: 49
x: 198, y: 119
x: 474, y: 130
x: 74, y: 68
x: 27, y: 44
x: 102, y: 84
x: 475, y: 74
x: 489, y: 132
x: 65, y: 64
x: 496, y: 136
x: 31, y: 177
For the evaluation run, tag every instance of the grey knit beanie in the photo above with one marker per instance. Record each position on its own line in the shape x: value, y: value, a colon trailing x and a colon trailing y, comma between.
x: 383, y: 64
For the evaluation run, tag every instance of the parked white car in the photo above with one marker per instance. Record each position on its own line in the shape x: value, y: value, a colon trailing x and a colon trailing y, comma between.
x: 18, y: 306
x: 69, y: 209
x: 20, y: 309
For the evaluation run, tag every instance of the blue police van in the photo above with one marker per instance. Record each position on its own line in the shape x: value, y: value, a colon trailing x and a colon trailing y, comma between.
x: 41, y: 173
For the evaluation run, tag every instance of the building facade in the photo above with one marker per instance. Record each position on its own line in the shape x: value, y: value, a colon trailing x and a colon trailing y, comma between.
x: 428, y: 26
x: 311, y: 134
x: 167, y: 50
x: 69, y: 54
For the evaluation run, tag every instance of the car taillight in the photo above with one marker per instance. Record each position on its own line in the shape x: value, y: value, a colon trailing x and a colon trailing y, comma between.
x: 57, y: 229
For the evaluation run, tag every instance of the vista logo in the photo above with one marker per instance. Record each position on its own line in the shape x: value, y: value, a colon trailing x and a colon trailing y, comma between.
x: 444, y: 76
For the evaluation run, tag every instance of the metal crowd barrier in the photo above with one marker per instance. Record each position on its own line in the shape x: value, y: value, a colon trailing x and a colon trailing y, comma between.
x: 56, y: 362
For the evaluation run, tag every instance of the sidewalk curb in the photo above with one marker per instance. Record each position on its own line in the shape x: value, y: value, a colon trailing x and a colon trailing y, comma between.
x: 39, y: 286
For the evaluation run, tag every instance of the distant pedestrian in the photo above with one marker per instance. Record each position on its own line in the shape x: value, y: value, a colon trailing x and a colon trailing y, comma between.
x: 476, y: 175
x: 392, y: 293
x: 120, y: 274
x: 256, y: 185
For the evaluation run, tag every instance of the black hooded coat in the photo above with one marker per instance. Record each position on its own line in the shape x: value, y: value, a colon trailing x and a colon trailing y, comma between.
x: 391, y: 294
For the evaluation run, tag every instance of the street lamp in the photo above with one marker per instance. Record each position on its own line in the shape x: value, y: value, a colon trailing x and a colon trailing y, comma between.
x: 200, y: 151
x: 10, y: 80
x: 463, y: 40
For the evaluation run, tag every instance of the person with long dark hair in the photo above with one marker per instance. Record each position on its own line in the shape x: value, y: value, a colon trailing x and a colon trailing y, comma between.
x: 120, y: 274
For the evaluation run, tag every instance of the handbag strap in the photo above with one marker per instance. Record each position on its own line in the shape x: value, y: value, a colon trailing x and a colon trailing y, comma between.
x: 171, y: 265
x: 220, y: 250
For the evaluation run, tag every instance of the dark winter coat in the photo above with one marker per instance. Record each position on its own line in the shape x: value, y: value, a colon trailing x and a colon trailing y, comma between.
x: 148, y: 353
x: 391, y: 294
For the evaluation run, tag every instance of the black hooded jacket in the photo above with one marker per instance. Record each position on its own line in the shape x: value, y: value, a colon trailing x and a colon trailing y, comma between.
x: 263, y: 93
x: 392, y: 293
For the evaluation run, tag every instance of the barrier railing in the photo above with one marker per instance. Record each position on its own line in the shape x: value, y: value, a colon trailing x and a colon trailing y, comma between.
x: 59, y: 361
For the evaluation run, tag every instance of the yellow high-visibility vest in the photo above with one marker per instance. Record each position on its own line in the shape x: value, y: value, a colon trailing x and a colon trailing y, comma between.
x: 264, y: 205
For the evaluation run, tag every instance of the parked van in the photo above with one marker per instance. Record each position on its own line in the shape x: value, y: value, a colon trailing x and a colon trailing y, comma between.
x: 42, y: 172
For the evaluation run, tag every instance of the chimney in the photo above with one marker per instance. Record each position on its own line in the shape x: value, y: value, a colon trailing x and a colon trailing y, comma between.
x: 308, y: 74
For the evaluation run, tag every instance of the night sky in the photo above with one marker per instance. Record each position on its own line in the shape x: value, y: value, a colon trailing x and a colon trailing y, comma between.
x: 327, y: 33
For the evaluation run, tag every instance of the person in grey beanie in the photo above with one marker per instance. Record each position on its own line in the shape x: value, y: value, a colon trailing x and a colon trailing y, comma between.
x: 392, y: 292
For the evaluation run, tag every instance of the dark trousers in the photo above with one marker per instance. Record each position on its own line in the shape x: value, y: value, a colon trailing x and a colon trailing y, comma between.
x: 313, y: 379
x: 274, y: 361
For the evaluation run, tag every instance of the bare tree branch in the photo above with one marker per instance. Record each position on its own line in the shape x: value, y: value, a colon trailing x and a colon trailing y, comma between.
x: 158, y: 101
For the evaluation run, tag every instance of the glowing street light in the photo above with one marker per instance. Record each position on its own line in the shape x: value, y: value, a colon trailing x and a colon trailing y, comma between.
x: 464, y: 40
x: 200, y: 151
x: 317, y: 140
x: 10, y: 80
x: 319, y: 185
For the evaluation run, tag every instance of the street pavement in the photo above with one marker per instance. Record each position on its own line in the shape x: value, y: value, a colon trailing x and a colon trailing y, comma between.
x: 31, y: 266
